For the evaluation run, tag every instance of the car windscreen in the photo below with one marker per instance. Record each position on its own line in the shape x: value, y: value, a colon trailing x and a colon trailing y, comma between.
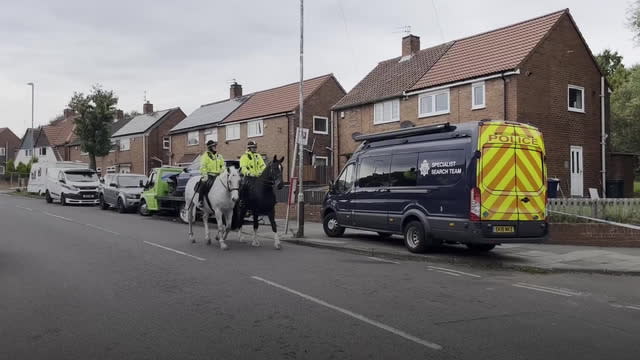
x: 130, y: 181
x: 81, y: 176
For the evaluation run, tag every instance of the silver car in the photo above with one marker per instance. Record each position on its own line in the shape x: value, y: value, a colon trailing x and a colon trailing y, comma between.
x: 121, y: 191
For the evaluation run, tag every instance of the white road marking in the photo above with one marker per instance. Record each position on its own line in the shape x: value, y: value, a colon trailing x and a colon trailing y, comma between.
x: 57, y: 216
x: 382, y: 260
x: 353, y: 315
x: 174, y: 250
x: 633, y: 307
x: 103, y: 229
x: 546, y: 289
x: 453, y: 271
x: 24, y: 208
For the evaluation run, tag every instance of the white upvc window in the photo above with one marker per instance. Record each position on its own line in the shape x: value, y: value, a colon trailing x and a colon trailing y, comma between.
x: 1, y: 170
x: 193, y: 138
x: 166, y: 142
x: 386, y: 112
x: 125, y: 144
x: 320, y: 161
x: 211, y: 134
x: 434, y: 103
x: 478, y: 96
x: 255, y: 128
x: 232, y: 132
x: 575, y: 98
x: 3, y: 151
x: 114, y: 145
x: 320, y: 125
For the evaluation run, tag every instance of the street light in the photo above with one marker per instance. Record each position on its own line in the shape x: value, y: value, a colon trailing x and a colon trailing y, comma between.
x: 300, y: 127
x: 33, y: 145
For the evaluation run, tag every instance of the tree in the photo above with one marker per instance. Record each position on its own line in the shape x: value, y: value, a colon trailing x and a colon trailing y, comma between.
x: 634, y: 20
x: 625, y: 114
x: 11, y: 166
x: 610, y: 63
x: 93, y: 123
x: 22, y: 168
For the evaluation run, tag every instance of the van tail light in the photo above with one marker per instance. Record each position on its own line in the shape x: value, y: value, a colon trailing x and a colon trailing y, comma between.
x: 474, y: 211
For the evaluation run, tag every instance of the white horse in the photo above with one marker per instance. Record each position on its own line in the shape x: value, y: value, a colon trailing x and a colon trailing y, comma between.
x: 223, y: 196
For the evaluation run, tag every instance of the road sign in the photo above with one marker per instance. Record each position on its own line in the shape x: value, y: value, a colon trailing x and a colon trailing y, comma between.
x: 304, y: 140
x: 293, y: 184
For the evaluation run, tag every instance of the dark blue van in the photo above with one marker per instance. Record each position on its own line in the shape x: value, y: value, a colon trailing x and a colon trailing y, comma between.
x: 479, y: 183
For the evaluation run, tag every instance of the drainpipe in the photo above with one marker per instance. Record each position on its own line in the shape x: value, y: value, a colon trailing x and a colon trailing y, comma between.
x: 603, y: 138
x: 504, y: 96
x: 144, y: 154
x: 332, y: 143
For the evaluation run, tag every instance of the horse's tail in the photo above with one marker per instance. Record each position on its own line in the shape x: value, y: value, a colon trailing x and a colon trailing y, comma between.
x: 236, y: 220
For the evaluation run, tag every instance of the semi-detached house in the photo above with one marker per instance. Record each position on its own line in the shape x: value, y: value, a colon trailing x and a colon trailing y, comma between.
x: 9, y: 144
x: 538, y: 71
x: 268, y: 117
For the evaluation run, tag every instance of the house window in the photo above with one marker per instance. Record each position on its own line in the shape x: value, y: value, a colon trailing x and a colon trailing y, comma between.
x: 193, y: 138
x: 232, y: 132
x: 320, y: 125
x: 2, y: 151
x: 166, y: 142
x: 386, y: 112
x: 320, y: 161
x: 125, y: 169
x: 477, y: 96
x: 114, y: 145
x: 125, y: 144
x: 575, y: 95
x: 1, y: 170
x: 435, y: 103
x: 255, y: 128
x: 43, y: 151
x: 211, y: 134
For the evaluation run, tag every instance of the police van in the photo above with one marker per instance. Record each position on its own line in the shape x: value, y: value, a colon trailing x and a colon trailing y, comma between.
x: 480, y: 183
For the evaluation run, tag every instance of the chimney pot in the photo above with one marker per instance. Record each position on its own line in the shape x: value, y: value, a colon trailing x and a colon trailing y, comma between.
x: 235, y: 91
x: 119, y: 115
x: 410, y: 44
x: 147, y: 108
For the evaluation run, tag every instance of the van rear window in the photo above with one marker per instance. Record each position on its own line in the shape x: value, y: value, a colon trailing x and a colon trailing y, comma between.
x: 441, y: 167
x: 404, y: 170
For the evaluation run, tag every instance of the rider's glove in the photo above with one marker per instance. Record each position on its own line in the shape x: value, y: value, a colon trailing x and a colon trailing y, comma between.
x: 205, y: 177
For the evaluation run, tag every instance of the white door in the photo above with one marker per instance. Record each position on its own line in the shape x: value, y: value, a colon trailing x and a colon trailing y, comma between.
x: 577, y: 171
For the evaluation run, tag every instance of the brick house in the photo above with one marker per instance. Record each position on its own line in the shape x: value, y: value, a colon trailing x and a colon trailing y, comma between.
x: 9, y: 145
x: 270, y: 118
x: 539, y: 71
x: 140, y: 144
x: 26, y: 149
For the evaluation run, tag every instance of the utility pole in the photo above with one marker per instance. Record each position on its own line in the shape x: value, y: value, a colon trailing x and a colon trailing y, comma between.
x: 300, y: 127
x: 33, y: 145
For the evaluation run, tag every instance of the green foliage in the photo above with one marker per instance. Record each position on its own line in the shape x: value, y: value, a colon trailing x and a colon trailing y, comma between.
x: 11, y: 166
x: 23, y: 169
x: 611, y: 64
x: 625, y: 114
x: 131, y: 114
x: 93, y: 124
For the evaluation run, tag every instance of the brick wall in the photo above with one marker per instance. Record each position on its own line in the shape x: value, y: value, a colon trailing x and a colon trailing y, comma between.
x: 560, y: 60
x: 593, y: 235
x: 312, y: 213
x: 155, y: 139
x: 179, y: 146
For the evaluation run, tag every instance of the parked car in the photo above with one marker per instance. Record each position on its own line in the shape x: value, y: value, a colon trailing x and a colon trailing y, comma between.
x: 71, y: 186
x: 478, y: 183
x: 159, y: 189
x: 121, y: 191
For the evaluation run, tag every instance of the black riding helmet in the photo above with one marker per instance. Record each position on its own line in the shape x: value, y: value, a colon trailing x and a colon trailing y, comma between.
x: 211, y: 145
x: 251, y: 145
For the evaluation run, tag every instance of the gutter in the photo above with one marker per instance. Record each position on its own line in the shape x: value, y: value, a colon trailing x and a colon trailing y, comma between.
x: 464, y: 82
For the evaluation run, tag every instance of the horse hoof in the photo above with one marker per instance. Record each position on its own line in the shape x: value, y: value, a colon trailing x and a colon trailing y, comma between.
x: 193, y: 241
x: 209, y: 242
x: 224, y: 247
x: 278, y: 247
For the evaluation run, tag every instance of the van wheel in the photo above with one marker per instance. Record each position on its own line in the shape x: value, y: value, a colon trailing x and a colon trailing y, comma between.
x: 331, y: 226
x: 480, y: 247
x: 47, y: 197
x: 384, y: 235
x: 143, y: 209
x: 103, y: 204
x: 63, y: 200
x: 415, y: 238
x: 120, y: 206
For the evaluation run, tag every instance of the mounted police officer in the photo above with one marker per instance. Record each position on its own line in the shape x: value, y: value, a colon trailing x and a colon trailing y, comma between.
x: 211, y: 165
x: 251, y: 163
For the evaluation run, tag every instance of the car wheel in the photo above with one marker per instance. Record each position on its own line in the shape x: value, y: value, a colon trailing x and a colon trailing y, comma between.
x: 47, y: 197
x: 331, y: 226
x: 384, y: 235
x: 415, y: 238
x: 183, y: 213
x: 480, y: 247
x: 121, y: 208
x: 103, y: 204
x: 63, y: 200
x: 143, y: 209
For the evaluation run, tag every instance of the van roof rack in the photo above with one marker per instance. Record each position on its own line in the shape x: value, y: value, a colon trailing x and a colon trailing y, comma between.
x: 401, y: 133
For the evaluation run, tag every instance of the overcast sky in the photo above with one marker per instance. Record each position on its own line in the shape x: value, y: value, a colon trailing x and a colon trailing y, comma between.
x: 185, y: 53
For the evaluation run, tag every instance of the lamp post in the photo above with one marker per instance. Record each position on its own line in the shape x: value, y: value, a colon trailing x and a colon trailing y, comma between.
x: 300, y: 127
x: 33, y: 145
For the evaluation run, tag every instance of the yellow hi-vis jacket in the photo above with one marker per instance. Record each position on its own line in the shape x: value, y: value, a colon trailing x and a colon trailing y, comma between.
x: 252, y: 164
x: 211, y: 163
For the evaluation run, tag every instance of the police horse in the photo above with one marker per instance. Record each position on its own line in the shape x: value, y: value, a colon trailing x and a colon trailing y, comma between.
x: 258, y: 198
x: 221, y: 201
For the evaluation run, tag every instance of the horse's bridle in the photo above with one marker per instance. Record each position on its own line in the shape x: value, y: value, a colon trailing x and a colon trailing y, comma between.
x: 227, y: 186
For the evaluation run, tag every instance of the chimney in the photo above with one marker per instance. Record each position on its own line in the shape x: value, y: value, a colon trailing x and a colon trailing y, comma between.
x: 119, y: 115
x: 147, y: 108
x: 410, y: 45
x: 235, y: 91
x: 68, y: 113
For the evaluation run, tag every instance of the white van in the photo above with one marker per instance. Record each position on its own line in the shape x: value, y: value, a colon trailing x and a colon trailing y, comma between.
x: 38, y: 177
x: 72, y: 186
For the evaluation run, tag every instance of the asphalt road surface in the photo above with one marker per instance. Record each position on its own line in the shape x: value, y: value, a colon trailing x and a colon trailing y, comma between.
x: 81, y: 283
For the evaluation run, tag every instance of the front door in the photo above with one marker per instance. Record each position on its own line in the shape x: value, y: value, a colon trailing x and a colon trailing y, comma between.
x: 577, y: 184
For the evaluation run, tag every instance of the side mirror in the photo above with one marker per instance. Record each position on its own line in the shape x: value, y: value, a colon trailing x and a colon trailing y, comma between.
x: 113, y: 185
x: 63, y: 181
x: 332, y: 186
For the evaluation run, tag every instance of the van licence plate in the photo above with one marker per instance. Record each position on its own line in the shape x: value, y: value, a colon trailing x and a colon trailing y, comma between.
x: 504, y: 229
x: 87, y: 196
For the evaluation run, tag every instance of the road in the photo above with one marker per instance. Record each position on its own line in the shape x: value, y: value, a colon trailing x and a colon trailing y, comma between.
x: 81, y: 283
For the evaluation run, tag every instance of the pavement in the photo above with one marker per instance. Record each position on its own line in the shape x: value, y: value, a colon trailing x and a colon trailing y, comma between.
x: 528, y: 257
x: 82, y: 283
